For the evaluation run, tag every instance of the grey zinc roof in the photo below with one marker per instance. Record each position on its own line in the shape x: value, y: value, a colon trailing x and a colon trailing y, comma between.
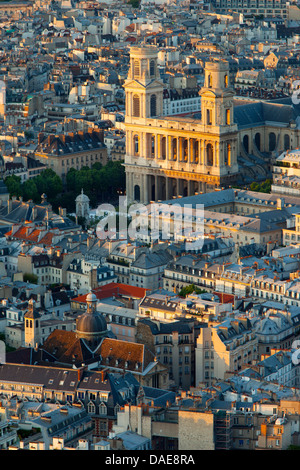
x: 259, y: 113
x: 167, y: 328
x: 152, y: 260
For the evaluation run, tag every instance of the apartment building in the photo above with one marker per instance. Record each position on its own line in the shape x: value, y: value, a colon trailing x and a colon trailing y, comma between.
x: 222, y: 347
x: 267, y: 8
x: 275, y: 434
x: 139, y: 265
x: 278, y: 328
x: 73, y: 150
x: 173, y: 344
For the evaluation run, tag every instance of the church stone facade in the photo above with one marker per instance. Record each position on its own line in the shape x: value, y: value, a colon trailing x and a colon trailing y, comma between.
x: 172, y: 156
x: 229, y: 142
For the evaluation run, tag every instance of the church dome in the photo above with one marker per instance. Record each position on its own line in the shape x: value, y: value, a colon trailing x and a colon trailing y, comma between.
x: 91, y: 325
x: 91, y: 297
x: 82, y: 197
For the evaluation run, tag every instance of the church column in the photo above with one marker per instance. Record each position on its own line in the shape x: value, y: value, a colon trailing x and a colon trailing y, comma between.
x: 190, y: 158
x: 156, y: 187
x: 216, y: 152
x: 168, y: 148
x: 201, y: 154
x: 129, y: 187
x: 145, y: 189
x: 158, y: 146
x: 179, y: 187
x: 167, y: 188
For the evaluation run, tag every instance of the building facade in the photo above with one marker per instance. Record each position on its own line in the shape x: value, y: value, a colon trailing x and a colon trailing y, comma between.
x: 170, y: 156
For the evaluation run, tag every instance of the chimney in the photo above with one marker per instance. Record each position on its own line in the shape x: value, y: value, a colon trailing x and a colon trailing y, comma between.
x: 9, y: 206
x: 41, y: 137
x: 79, y: 374
x: 50, y: 139
x: 34, y: 213
x: 280, y: 203
x: 62, y: 212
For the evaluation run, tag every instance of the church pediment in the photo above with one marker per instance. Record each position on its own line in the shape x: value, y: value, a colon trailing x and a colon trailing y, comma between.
x: 136, y: 84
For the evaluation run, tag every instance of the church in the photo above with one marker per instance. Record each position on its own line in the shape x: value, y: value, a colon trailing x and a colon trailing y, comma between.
x: 91, y: 344
x: 229, y: 142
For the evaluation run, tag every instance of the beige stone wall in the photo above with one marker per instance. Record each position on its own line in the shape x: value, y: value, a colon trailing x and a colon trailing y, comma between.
x: 195, y: 431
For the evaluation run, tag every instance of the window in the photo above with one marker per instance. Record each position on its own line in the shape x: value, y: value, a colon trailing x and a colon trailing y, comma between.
x: 136, y: 144
x: 152, y: 68
x: 208, y: 117
x: 91, y: 408
x: 228, y: 117
x: 209, y: 155
x: 228, y: 154
x: 136, y: 106
x: 153, y: 105
x: 152, y: 151
x: 163, y: 148
x: 136, y: 69
x: 103, y: 409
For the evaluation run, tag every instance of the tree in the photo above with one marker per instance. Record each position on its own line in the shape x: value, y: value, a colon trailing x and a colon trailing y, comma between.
x: 32, y: 278
x: 30, y: 191
x: 264, y: 187
x: 191, y: 289
x: 13, y: 184
x: 134, y: 3
x: 48, y: 182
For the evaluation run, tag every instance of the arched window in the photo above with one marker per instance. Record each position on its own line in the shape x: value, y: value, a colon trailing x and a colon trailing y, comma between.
x: 136, y: 144
x: 91, y: 408
x: 103, y: 409
x: 174, y: 149
x: 209, y: 155
x: 137, y: 193
x: 272, y: 141
x: 209, y: 81
x: 153, y: 105
x: 246, y: 142
x: 196, y: 151
x: 136, y: 106
x: 228, y: 117
x: 228, y: 155
x: 152, y: 148
x: 257, y: 140
x: 286, y: 142
x: 152, y: 68
x: 226, y: 81
x: 185, y: 149
x: 208, y: 117
x: 136, y: 69
x: 163, y: 148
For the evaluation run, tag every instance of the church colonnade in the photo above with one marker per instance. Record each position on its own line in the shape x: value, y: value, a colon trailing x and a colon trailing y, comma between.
x: 181, y: 149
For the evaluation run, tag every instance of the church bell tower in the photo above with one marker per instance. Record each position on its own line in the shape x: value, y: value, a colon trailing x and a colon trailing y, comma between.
x: 143, y: 87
